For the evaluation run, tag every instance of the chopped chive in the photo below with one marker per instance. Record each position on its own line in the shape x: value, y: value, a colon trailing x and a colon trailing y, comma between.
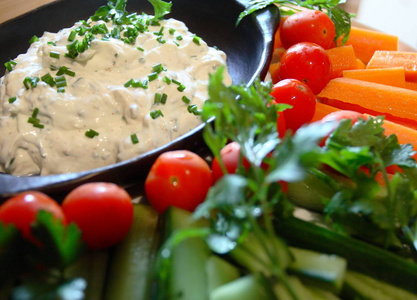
x: 51, y: 43
x: 193, y: 109
x: 157, y: 98
x: 185, y: 99
x: 60, y: 81
x: 153, y: 76
x: 134, y: 138
x: 156, y: 113
x: 61, y: 89
x: 9, y: 65
x: 177, y: 44
x: 129, y: 83
x: 171, y: 31
x: 164, y: 98
x: 64, y: 70
x: 72, y: 36
x: 48, y: 79
x: 91, y: 133
x: 34, y: 120
x: 33, y: 39
x: 161, y: 40
x: 179, y: 37
x: 12, y: 99
x: 196, y: 40
x: 30, y: 82
x: 35, y: 112
x: 54, y: 54
x: 181, y: 87
x: 140, y: 49
x: 158, y: 68
x: 166, y: 80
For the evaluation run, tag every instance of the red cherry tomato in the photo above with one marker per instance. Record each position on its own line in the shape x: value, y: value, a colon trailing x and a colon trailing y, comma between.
x: 300, y: 97
x: 230, y: 156
x: 103, y: 212
x: 308, y: 26
x: 178, y: 178
x: 21, y: 210
x: 339, y: 115
x: 307, y: 62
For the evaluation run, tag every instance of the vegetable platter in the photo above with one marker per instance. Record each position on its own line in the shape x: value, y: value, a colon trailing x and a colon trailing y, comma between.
x: 306, y: 189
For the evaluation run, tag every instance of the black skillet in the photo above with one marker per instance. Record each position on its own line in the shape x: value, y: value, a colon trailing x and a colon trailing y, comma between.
x: 248, y: 47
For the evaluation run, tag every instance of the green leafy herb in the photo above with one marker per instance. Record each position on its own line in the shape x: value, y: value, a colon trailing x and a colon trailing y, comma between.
x: 161, y: 8
x: 340, y: 18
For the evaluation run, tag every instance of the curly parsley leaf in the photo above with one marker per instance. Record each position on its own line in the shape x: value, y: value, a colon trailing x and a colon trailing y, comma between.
x: 340, y: 18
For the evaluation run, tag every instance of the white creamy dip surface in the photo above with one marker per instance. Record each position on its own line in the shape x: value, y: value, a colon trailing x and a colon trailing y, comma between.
x: 96, y: 113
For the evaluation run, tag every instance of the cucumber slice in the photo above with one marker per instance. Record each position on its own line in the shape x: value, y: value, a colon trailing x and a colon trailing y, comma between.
x: 300, y: 290
x: 360, y: 286
x: 323, y: 270
x: 131, y: 266
x: 219, y: 272
x: 362, y: 257
x: 187, y: 279
x: 248, y: 287
x: 252, y: 255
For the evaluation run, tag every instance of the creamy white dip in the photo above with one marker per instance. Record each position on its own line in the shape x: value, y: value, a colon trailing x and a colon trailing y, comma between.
x: 108, y: 105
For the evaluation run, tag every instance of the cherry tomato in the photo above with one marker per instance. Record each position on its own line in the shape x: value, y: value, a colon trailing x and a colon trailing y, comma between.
x: 300, y: 97
x: 308, y: 26
x: 339, y: 115
x: 178, y: 178
x: 307, y: 62
x: 230, y: 156
x: 103, y: 212
x: 21, y: 210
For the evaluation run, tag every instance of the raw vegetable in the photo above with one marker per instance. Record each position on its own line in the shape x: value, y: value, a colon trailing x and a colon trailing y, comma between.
x: 22, y: 209
x: 342, y: 58
x: 230, y: 157
x: 340, y: 18
x: 386, y: 59
x: 301, y: 99
x: 373, y: 98
x: 308, y: 63
x: 178, y: 178
x: 308, y: 26
x: 394, y: 76
x: 103, y: 211
x: 366, y: 42
x: 131, y: 262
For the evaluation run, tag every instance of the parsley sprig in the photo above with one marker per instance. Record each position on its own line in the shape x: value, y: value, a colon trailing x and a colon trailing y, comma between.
x: 340, y: 18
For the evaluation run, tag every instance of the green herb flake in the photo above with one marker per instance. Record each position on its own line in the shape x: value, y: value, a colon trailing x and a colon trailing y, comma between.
x: 91, y: 133
x: 9, y: 65
x: 197, y: 40
x: 185, y: 99
x: 156, y: 113
x: 30, y: 82
x: 33, y: 39
x: 152, y: 76
x: 134, y: 138
x: 12, y: 99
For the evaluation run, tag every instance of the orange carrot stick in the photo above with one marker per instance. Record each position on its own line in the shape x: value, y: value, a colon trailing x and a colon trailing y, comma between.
x: 274, y: 71
x: 361, y: 65
x: 322, y: 110
x: 387, y: 59
x: 342, y: 58
x: 390, y: 76
x: 366, y: 42
x: 375, y: 97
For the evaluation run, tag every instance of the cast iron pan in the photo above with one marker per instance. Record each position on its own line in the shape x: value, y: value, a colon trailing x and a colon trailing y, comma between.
x: 248, y: 47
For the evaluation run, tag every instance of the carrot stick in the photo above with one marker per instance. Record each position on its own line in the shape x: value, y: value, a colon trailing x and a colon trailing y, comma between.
x: 411, y: 85
x: 405, y: 135
x: 365, y: 42
x: 387, y: 59
x: 390, y: 76
x: 361, y: 65
x: 372, y: 97
x: 322, y: 110
x: 274, y: 71
x: 342, y: 58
